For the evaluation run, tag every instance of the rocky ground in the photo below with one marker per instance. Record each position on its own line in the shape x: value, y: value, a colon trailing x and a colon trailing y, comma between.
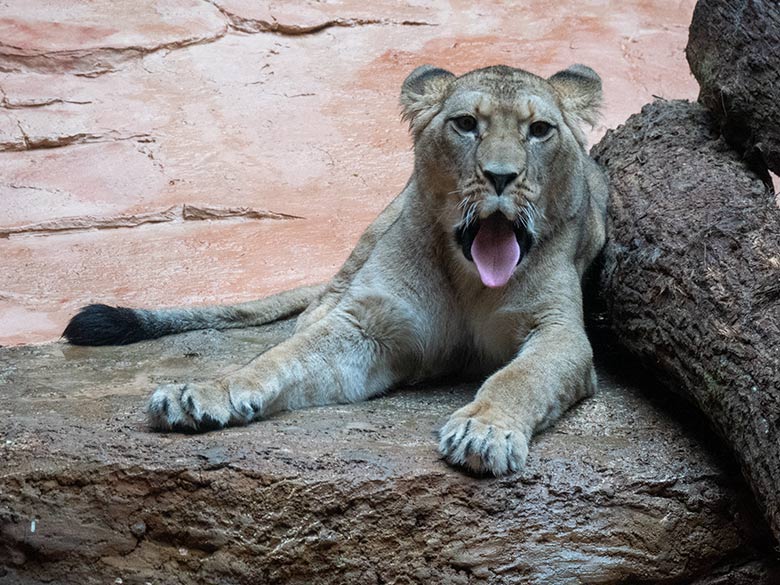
x: 191, y: 151
x: 627, y: 488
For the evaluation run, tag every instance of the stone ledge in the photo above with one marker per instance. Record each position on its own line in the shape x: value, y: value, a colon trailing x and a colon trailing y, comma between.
x: 620, y: 491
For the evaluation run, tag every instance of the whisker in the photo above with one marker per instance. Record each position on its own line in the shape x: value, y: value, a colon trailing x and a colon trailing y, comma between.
x: 465, y: 201
x: 527, y: 217
x: 536, y: 212
x: 470, y: 213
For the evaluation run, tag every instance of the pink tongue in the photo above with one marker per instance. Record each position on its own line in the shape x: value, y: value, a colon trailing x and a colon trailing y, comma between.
x: 495, y: 251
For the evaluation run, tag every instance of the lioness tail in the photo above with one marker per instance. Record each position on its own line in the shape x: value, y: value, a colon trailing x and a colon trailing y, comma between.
x: 105, y: 325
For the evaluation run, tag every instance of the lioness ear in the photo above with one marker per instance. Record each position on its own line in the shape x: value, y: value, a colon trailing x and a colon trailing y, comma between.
x: 424, y: 90
x: 579, y: 89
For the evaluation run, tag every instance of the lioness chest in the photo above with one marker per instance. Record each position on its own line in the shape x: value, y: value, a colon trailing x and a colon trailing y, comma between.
x: 496, y: 329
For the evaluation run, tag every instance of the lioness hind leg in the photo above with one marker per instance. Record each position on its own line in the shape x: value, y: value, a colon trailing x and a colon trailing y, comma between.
x: 350, y: 355
x: 552, y: 372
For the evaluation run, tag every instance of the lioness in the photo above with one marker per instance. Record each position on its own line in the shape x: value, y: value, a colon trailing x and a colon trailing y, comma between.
x: 475, y: 267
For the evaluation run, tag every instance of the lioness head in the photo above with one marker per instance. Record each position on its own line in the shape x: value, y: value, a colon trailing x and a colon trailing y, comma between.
x: 500, y: 151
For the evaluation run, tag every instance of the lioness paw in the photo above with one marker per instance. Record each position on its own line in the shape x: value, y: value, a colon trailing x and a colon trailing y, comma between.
x: 190, y: 407
x: 205, y: 406
x: 482, y: 446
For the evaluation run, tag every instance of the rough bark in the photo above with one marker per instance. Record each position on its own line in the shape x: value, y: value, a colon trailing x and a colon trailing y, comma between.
x: 623, y: 490
x: 691, y: 279
x: 734, y: 53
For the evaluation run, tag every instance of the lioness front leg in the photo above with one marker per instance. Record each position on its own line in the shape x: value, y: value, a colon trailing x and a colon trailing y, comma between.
x: 352, y: 354
x: 553, y: 370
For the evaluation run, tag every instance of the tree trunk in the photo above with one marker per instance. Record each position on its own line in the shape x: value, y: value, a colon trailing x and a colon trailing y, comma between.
x: 734, y: 53
x: 691, y: 278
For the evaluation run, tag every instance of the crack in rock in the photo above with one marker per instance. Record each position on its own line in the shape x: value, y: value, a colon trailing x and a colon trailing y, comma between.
x: 44, y: 142
x: 173, y: 214
x: 274, y: 26
x: 12, y: 104
x: 89, y: 62
x: 259, y: 25
x: 203, y: 212
x: 9, y: 104
x: 30, y: 188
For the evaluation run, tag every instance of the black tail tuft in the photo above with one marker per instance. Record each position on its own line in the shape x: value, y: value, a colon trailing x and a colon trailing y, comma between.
x: 104, y: 325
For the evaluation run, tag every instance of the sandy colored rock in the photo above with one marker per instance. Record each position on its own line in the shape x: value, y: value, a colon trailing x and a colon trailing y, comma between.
x: 166, y: 104
x: 622, y: 490
x: 95, y: 38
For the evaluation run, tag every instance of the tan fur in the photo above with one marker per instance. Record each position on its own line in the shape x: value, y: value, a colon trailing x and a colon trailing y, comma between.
x: 408, y: 304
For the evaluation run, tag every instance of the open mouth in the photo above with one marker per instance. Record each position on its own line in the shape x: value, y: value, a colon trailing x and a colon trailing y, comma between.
x: 496, y: 246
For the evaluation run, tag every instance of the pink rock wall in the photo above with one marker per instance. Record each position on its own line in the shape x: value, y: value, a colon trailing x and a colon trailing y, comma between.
x: 121, y: 122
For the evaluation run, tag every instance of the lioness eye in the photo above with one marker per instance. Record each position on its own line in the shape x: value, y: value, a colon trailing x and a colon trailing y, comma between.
x: 540, y: 129
x: 465, y: 123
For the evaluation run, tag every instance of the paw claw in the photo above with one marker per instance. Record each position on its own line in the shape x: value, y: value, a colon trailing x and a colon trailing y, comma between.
x: 186, y: 407
x: 244, y: 408
x: 482, y: 445
x: 165, y: 409
x: 206, y: 406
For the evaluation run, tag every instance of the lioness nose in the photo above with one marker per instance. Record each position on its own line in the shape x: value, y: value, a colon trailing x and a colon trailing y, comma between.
x: 500, y: 180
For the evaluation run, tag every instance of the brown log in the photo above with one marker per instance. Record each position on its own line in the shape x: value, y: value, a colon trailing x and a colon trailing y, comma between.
x: 691, y: 278
x: 734, y: 53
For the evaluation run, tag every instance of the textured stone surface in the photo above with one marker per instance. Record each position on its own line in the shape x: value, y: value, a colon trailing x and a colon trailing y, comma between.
x: 625, y: 489
x: 115, y: 111
x: 93, y: 38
